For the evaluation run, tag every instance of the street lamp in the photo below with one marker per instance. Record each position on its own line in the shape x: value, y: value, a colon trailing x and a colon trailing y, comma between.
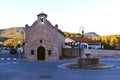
x: 82, y: 33
x: 81, y: 30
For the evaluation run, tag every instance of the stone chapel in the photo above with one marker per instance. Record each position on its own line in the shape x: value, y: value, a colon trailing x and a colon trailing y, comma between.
x: 43, y: 41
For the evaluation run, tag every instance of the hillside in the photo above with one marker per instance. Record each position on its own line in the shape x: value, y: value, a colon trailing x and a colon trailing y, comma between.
x: 18, y: 32
x: 91, y: 35
x: 15, y: 32
x: 12, y: 35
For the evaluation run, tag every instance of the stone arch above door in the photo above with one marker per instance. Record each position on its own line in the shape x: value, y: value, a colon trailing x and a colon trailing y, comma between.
x: 41, y: 53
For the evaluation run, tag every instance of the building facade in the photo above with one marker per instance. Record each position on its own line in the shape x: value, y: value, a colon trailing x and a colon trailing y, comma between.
x: 43, y: 41
x: 84, y: 42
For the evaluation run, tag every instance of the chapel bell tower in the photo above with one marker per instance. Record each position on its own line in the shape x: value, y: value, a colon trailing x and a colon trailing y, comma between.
x: 42, y: 17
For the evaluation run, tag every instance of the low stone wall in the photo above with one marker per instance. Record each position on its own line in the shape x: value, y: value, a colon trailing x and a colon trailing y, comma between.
x: 68, y: 52
x: 102, y: 53
x: 94, y: 52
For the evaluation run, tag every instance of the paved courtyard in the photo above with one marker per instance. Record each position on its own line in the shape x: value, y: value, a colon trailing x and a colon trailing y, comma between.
x: 51, y: 70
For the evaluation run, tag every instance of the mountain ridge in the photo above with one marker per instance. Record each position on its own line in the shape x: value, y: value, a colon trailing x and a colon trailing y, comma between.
x: 91, y: 34
x: 19, y: 32
x: 12, y: 32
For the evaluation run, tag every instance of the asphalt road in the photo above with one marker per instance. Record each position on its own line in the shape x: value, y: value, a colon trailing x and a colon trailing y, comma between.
x: 53, y: 70
x: 5, y: 55
x: 49, y: 70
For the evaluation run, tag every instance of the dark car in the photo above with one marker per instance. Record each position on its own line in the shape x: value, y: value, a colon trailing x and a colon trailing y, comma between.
x: 13, y: 51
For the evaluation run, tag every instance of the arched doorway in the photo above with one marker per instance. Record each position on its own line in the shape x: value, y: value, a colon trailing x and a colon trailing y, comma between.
x: 41, y: 53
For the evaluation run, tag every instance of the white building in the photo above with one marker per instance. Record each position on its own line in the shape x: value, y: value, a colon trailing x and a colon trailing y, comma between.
x: 83, y: 42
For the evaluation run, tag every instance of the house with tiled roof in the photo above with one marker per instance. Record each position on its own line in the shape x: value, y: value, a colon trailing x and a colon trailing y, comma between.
x: 83, y: 42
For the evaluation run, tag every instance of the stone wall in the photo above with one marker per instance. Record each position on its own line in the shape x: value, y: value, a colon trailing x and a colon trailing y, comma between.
x: 94, y: 53
x: 102, y: 53
x: 68, y: 52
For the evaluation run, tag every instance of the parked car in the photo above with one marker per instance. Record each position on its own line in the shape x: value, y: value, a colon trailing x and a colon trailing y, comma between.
x: 13, y: 51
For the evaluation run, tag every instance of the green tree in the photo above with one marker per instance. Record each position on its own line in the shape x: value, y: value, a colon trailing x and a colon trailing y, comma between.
x: 113, y: 41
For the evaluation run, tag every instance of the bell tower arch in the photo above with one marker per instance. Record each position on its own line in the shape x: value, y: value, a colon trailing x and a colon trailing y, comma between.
x: 42, y: 17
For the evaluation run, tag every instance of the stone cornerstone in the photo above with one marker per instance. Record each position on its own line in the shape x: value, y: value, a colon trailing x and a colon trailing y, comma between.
x: 43, y: 40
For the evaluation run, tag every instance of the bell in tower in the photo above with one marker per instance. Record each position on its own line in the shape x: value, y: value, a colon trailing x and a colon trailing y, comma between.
x: 42, y: 17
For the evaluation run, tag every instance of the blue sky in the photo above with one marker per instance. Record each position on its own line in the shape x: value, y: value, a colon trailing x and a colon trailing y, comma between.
x: 100, y: 16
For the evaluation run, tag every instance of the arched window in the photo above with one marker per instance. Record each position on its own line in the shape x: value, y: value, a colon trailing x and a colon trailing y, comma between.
x: 42, y: 20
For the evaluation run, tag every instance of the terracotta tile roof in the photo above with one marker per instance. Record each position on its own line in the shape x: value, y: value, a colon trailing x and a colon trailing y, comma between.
x: 85, y: 39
